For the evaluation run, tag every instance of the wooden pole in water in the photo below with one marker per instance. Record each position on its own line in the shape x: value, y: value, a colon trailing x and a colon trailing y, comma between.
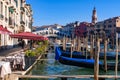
x: 79, y: 46
x: 63, y: 43
x: 96, y: 64
x: 86, y: 42
x: 74, y: 44
x: 91, y: 47
x: 71, y: 48
x: 83, y: 39
x: 116, y: 65
x: 105, y: 58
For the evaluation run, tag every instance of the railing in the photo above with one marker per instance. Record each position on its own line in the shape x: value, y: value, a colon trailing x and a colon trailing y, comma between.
x: 65, y: 77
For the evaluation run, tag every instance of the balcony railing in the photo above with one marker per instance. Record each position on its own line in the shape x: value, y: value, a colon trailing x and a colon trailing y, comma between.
x: 1, y: 16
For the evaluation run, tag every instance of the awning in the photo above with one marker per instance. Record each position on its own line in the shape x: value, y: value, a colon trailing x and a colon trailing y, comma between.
x: 4, y: 30
x: 28, y: 35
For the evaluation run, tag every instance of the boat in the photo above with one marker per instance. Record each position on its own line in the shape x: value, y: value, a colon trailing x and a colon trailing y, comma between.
x: 87, y: 63
x: 76, y: 54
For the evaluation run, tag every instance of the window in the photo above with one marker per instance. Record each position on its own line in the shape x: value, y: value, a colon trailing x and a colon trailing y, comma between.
x: 110, y: 21
x: 109, y: 26
x: 104, y: 26
x: 98, y: 26
x: 10, y: 1
x: 20, y: 3
x: 117, y: 20
x: 1, y: 10
x: 26, y: 23
x: 114, y: 25
x: 21, y: 17
x: 16, y: 2
x: 5, y: 11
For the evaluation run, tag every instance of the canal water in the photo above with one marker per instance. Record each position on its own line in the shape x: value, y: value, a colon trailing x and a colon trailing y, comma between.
x: 49, y: 66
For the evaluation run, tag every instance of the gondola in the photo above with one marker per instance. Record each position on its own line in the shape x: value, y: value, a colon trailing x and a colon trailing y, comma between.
x: 87, y: 63
x: 76, y: 54
x: 80, y: 62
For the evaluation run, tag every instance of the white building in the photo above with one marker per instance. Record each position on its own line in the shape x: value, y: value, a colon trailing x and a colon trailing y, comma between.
x: 49, y: 30
x: 16, y: 16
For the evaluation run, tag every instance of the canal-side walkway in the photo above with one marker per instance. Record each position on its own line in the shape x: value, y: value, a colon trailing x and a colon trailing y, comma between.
x: 14, y: 74
x: 7, y: 52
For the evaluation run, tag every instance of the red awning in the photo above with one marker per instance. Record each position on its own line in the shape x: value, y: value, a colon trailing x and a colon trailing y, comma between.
x: 28, y: 35
x: 4, y: 30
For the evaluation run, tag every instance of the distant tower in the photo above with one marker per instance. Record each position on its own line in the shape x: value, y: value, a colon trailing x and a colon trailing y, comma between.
x: 94, y: 16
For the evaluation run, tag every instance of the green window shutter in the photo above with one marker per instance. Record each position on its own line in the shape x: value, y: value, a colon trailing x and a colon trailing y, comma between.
x: 11, y: 10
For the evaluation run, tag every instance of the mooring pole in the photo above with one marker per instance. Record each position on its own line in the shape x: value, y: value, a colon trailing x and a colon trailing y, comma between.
x: 116, y: 65
x: 96, y: 64
x: 91, y: 47
x: 86, y: 45
x: 79, y: 46
x: 71, y: 48
x: 105, y: 58
x: 64, y: 43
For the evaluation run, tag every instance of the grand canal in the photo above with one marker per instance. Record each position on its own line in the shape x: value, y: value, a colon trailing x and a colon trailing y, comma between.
x: 49, y: 66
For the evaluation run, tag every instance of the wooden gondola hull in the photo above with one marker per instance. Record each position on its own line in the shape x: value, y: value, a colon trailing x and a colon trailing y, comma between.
x: 80, y: 62
x: 87, y: 63
x: 81, y: 56
x: 74, y: 55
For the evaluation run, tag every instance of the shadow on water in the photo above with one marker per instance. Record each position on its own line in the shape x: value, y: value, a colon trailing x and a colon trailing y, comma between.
x: 50, y: 66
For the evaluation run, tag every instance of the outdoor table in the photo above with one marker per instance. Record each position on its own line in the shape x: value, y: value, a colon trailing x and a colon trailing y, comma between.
x: 17, y: 61
x: 4, y: 68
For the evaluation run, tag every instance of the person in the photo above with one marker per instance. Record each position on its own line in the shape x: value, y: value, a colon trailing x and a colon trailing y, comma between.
x: 23, y: 44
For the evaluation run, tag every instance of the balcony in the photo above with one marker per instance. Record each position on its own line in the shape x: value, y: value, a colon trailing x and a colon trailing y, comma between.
x: 22, y: 9
x: 1, y: 16
x: 22, y: 22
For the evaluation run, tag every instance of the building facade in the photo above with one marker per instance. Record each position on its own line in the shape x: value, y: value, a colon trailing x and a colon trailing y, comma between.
x: 16, y: 16
x: 108, y: 28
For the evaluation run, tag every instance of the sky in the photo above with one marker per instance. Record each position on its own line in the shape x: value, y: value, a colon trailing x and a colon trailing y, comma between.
x: 47, y: 12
